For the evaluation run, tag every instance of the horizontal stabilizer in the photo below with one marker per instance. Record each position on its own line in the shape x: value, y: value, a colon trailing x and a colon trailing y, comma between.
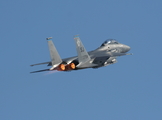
x: 40, y: 63
x: 40, y: 71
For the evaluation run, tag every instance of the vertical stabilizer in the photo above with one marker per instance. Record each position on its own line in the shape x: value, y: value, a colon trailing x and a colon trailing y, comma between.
x: 55, y: 57
x: 83, y: 56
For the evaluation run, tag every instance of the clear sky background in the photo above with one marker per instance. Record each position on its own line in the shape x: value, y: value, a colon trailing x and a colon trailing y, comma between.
x: 128, y: 90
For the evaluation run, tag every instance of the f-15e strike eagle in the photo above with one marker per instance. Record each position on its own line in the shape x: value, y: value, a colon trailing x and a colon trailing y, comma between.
x: 105, y: 55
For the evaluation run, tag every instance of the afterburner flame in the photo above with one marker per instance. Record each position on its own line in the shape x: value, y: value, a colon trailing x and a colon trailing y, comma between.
x: 61, y: 67
x: 70, y: 66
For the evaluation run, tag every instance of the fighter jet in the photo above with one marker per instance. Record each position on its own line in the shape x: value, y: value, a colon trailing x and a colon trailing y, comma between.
x: 105, y: 55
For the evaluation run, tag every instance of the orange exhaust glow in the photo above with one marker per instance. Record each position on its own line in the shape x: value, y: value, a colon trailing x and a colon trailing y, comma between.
x: 70, y: 66
x: 61, y: 67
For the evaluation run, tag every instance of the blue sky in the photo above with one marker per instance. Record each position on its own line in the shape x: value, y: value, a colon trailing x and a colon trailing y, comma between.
x: 128, y: 90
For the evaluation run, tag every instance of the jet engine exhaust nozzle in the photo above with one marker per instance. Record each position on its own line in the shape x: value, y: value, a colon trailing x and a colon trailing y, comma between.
x: 61, y: 67
x: 70, y: 66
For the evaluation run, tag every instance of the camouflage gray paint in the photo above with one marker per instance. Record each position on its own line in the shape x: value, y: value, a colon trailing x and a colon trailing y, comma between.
x: 105, y: 55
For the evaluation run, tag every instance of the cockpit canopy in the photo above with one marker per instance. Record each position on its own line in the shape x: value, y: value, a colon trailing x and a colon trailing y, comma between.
x: 109, y: 41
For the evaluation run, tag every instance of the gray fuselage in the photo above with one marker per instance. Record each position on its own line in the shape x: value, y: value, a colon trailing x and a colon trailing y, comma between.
x: 105, y: 55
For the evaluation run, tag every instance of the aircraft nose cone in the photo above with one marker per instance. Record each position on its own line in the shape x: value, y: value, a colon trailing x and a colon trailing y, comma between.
x: 127, y: 48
